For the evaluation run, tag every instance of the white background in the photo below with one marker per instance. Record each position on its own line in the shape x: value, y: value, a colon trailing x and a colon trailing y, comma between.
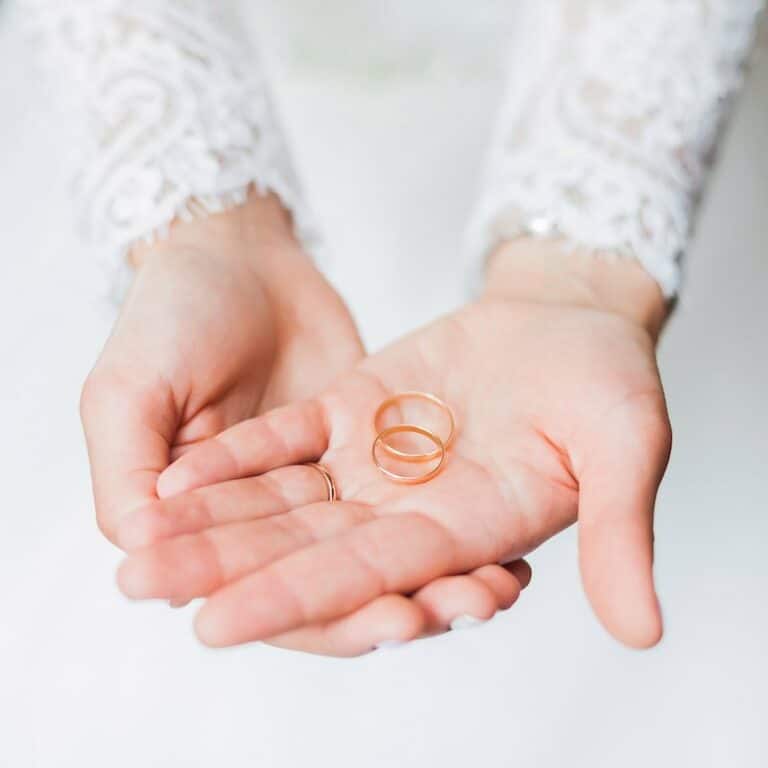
x: 88, y: 679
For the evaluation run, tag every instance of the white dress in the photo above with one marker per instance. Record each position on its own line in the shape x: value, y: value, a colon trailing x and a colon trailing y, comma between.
x: 608, y: 125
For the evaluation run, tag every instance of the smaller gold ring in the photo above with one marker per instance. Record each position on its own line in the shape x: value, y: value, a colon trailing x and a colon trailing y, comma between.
x: 329, y: 483
x: 408, y: 479
x: 430, y: 398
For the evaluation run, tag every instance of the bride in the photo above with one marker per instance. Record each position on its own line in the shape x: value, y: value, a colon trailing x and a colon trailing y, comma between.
x: 234, y: 394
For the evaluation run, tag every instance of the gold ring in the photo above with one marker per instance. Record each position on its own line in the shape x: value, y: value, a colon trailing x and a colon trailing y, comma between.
x: 408, y: 479
x: 430, y: 398
x: 329, y: 484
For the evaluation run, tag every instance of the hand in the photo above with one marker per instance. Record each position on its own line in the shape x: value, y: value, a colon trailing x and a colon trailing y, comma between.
x: 560, y: 412
x: 226, y: 318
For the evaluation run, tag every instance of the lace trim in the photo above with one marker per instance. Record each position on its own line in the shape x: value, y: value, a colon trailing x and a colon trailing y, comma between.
x: 180, y: 124
x: 608, y: 145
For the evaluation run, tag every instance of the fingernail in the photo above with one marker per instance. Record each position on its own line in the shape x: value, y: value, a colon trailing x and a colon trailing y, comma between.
x: 389, y: 645
x: 179, y: 603
x: 465, y: 621
x: 172, y: 482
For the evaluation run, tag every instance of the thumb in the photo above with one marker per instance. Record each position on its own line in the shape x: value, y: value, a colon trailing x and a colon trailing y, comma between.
x: 128, y: 431
x: 624, y: 463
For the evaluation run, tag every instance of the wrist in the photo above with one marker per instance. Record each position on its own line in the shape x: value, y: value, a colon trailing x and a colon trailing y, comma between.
x: 544, y: 271
x: 257, y: 235
x: 250, y: 245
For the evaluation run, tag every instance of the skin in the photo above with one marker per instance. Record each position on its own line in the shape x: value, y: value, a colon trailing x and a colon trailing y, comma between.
x: 552, y: 375
x: 208, y: 336
x: 226, y: 319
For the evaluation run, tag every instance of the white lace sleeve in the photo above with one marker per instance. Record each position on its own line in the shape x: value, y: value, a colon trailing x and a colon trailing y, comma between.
x: 179, y: 122
x: 610, y: 121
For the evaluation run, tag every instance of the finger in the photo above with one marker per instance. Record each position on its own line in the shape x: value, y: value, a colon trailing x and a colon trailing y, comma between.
x: 190, y: 566
x: 506, y: 582
x: 458, y: 602
x: 618, y: 486
x: 521, y: 570
x: 386, y: 621
x: 210, y: 421
x: 128, y: 433
x: 273, y: 493
x: 395, y: 619
x: 177, y: 451
x: 293, y: 434
x: 395, y: 553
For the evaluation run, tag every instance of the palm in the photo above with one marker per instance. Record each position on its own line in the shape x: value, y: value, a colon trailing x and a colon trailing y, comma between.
x: 477, y: 498
x: 509, y: 483
x: 552, y: 406
x: 235, y: 354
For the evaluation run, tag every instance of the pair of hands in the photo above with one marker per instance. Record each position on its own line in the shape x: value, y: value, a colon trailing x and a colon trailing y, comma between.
x: 234, y: 363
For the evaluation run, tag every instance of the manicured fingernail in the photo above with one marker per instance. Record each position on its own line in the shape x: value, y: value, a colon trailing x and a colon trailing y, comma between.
x: 466, y: 621
x: 389, y: 645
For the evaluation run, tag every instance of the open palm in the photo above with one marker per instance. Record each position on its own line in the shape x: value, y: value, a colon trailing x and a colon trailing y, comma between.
x: 560, y: 413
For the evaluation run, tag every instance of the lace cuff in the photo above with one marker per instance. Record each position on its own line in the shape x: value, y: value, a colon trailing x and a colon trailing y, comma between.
x: 610, y: 122
x: 179, y: 122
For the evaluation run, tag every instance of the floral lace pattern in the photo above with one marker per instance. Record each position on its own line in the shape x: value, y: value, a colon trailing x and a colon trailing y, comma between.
x: 179, y: 119
x: 612, y: 115
x: 609, y: 124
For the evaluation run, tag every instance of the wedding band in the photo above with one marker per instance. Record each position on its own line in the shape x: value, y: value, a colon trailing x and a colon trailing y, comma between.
x: 414, y: 395
x: 329, y: 484
x: 408, y: 479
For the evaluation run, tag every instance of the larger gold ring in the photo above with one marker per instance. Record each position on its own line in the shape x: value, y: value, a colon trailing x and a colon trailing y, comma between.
x: 329, y: 483
x: 430, y: 398
x: 408, y: 479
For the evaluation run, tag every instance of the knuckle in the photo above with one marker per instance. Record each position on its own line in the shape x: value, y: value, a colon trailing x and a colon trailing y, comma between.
x: 651, y: 422
x: 665, y: 435
x: 411, y: 625
x: 478, y: 598
x: 659, y: 429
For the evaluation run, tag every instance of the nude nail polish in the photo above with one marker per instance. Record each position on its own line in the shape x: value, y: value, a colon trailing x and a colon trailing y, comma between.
x: 465, y: 621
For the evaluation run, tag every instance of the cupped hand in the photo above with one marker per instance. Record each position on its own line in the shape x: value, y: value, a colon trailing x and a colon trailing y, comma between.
x: 560, y: 415
x: 226, y: 319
